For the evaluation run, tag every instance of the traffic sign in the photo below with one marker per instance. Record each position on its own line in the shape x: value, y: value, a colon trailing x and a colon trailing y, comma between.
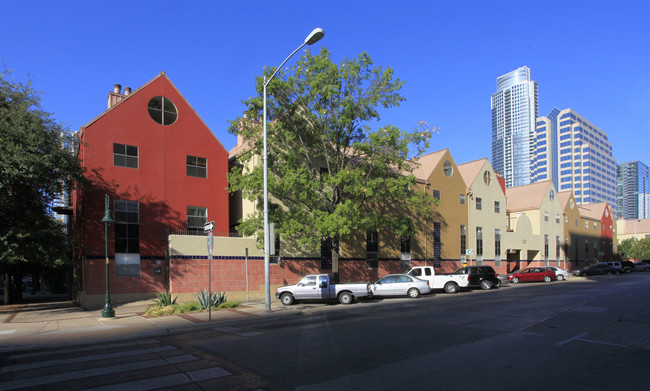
x: 469, y: 251
x: 208, y: 227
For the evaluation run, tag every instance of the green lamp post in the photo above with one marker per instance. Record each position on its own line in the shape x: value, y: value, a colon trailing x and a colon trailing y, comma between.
x: 108, y: 311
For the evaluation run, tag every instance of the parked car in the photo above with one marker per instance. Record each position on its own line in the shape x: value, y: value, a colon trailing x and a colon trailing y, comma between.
x: 614, y: 264
x: 480, y: 276
x: 628, y: 266
x: 503, y: 280
x: 450, y: 283
x: 560, y: 274
x: 531, y: 274
x: 321, y: 287
x: 642, y: 266
x: 597, y: 269
x: 400, y: 285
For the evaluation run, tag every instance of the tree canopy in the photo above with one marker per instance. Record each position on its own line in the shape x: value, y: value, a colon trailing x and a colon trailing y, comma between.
x: 327, y: 165
x: 36, y: 162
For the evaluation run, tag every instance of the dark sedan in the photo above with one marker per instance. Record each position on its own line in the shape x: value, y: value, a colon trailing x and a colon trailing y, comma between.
x: 598, y: 269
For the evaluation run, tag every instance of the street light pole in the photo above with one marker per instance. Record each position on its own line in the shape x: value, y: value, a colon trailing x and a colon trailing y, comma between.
x: 108, y: 311
x: 312, y: 38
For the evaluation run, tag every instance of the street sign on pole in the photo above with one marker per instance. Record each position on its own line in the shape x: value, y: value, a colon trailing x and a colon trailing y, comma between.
x: 208, y: 227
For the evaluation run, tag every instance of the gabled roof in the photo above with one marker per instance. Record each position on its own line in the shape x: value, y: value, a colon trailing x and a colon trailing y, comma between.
x: 470, y: 170
x: 564, y: 198
x: 427, y: 163
x: 526, y: 197
x: 593, y: 211
x: 161, y: 74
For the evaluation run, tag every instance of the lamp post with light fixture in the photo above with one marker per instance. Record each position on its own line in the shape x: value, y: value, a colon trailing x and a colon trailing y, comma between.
x: 312, y: 38
x: 108, y: 311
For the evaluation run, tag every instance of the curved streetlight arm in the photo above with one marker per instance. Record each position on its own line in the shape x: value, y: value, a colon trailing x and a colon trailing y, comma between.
x: 312, y: 38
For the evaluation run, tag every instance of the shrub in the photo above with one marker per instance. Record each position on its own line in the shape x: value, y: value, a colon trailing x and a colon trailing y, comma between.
x: 165, y: 299
x: 209, y: 299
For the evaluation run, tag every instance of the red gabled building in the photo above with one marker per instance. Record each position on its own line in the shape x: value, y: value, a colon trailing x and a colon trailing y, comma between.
x: 164, y: 171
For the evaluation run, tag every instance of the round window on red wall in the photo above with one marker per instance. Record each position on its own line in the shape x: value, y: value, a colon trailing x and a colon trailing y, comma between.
x: 162, y: 110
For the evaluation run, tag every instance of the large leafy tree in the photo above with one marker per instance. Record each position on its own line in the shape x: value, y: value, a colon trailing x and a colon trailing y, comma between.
x: 36, y: 163
x: 329, y: 170
x: 641, y: 249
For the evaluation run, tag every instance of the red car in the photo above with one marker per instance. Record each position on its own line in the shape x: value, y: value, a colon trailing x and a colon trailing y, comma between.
x: 532, y: 274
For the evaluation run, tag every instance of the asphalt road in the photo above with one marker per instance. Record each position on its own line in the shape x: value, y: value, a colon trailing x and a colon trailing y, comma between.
x: 582, y: 334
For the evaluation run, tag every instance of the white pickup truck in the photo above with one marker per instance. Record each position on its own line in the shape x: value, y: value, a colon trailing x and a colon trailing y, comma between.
x: 320, y: 287
x: 451, y: 283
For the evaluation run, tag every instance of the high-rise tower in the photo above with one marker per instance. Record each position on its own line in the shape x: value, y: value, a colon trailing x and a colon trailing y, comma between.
x: 576, y: 155
x: 633, y: 190
x: 514, y: 112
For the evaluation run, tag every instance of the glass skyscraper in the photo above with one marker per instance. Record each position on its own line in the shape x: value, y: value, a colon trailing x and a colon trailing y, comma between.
x: 514, y: 112
x: 633, y: 190
x: 575, y: 155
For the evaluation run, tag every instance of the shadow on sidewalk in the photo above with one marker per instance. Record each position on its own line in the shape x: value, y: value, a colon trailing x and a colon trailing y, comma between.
x: 38, y: 303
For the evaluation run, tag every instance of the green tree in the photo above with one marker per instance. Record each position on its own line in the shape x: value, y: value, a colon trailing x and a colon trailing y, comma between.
x: 36, y: 163
x: 328, y: 169
x: 624, y: 248
x: 641, y: 249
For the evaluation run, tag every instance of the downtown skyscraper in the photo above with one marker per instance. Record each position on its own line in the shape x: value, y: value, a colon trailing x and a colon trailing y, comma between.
x: 514, y: 114
x: 633, y: 190
x: 576, y: 155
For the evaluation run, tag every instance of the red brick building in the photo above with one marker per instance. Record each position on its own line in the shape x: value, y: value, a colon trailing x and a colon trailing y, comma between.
x: 164, y: 171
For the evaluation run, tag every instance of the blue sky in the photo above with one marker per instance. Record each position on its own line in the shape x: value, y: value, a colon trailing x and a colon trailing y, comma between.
x: 591, y: 56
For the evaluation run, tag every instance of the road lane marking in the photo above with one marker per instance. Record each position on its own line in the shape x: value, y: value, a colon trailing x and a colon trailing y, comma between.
x: 571, y: 339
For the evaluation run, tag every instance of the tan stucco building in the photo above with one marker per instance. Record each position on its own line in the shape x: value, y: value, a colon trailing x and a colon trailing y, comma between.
x: 535, y: 227
x: 486, y: 210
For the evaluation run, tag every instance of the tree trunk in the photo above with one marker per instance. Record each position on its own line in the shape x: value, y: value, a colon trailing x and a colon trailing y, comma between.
x: 6, y: 282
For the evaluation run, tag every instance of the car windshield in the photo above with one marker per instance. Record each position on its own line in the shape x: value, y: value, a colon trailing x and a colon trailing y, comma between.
x: 462, y: 270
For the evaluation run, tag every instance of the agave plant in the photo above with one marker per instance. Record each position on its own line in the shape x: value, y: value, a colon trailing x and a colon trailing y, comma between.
x: 209, y: 299
x: 165, y: 299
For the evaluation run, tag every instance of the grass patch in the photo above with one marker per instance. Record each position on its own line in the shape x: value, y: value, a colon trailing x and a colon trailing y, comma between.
x: 185, y: 308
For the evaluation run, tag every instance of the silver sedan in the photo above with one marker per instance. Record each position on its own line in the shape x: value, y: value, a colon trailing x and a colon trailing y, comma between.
x: 400, y: 285
x: 560, y: 274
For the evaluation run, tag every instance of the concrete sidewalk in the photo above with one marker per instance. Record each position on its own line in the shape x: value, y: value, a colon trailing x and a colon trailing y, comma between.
x: 61, y: 323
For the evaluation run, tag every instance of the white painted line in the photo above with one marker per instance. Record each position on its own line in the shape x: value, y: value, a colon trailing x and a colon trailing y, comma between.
x: 602, y: 342
x: 96, y: 357
x: 74, y: 375
x: 3, y: 332
x: 81, y: 349
x: 571, y: 339
x: 208, y: 374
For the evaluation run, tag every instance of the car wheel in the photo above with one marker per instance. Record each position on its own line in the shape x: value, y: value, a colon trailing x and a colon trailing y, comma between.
x: 627, y: 270
x: 560, y: 277
x: 515, y: 280
x: 346, y: 298
x: 451, y: 287
x: 547, y: 278
x: 413, y: 293
x: 486, y: 284
x: 286, y: 298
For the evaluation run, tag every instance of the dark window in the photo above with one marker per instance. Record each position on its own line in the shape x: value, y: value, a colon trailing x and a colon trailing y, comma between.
x: 275, y: 258
x: 479, y: 204
x: 127, y: 237
x: 436, y: 194
x: 162, y: 110
x: 479, y: 241
x: 125, y: 155
x: 197, y: 166
x: 326, y: 254
x: 372, y: 249
x: 497, y: 243
x: 405, y: 249
x: 437, y: 245
x: 463, y: 240
x: 196, y: 218
x: 497, y: 207
x: 462, y: 199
